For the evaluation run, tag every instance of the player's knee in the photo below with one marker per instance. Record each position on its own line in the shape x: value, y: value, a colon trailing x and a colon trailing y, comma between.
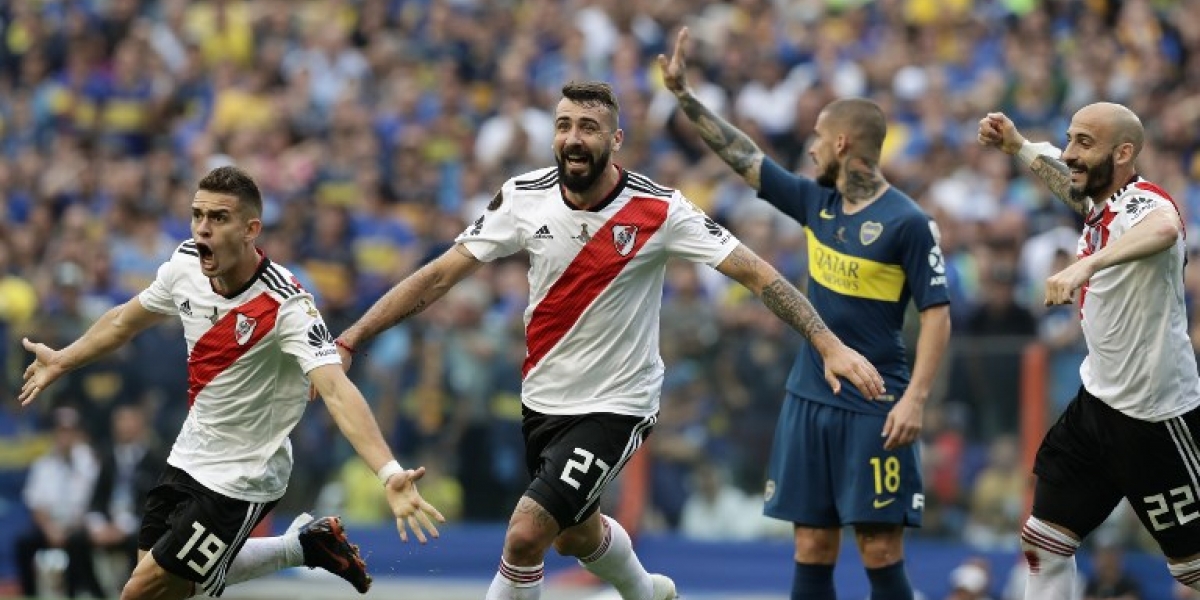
x: 1187, y: 572
x: 530, y: 533
x: 1047, y: 550
x: 880, y: 546
x: 817, y: 546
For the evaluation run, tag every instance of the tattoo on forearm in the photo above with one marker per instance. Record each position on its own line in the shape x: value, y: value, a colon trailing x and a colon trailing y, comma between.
x: 863, y: 181
x: 1057, y: 176
x: 790, y: 305
x: 731, y: 144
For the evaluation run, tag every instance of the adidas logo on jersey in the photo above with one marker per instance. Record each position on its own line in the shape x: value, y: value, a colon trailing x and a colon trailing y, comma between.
x: 543, y: 233
x: 186, y: 307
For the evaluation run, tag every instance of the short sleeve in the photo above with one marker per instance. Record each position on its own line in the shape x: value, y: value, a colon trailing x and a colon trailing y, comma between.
x: 694, y: 236
x: 494, y: 234
x: 924, y: 263
x: 157, y: 298
x: 1139, y: 207
x: 304, y: 334
x: 795, y: 196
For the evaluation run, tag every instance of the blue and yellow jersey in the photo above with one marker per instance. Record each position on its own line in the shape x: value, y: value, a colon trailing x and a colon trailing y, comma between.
x: 863, y: 270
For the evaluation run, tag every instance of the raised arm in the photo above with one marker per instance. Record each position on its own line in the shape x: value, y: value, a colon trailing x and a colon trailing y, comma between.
x: 412, y: 295
x: 997, y: 130
x: 783, y: 299
x: 111, y: 331
x: 730, y: 143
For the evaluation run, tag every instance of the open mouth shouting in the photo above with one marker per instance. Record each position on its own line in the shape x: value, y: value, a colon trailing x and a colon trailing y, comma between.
x: 208, y: 259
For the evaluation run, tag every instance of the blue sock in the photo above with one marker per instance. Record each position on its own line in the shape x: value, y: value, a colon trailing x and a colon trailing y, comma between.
x: 890, y: 583
x: 813, y: 582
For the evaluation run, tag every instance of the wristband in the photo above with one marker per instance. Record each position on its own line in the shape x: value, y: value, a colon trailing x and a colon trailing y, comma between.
x: 351, y: 349
x: 386, y: 471
x: 1030, y: 151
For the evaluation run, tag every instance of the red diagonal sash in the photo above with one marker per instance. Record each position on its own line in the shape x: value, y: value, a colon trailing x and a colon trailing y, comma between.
x: 218, y: 347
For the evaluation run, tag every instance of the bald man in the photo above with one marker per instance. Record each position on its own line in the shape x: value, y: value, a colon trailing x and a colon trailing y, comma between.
x: 1131, y: 431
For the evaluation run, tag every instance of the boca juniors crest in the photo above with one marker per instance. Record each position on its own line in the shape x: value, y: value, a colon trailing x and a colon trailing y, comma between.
x: 624, y: 237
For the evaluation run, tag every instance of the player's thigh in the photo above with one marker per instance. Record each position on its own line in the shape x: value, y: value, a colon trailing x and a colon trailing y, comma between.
x: 572, y: 459
x: 1158, y: 466
x: 873, y: 485
x: 205, y: 531
x: 799, y: 487
x: 1076, y: 487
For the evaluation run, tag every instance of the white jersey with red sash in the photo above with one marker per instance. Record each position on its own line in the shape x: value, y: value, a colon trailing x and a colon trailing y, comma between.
x: 1140, y: 359
x: 249, y: 353
x: 596, y: 285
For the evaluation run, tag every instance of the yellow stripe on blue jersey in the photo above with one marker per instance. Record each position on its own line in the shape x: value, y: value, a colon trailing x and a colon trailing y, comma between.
x: 853, y: 275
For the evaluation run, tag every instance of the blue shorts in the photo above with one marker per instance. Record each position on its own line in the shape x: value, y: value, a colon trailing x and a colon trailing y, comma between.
x: 828, y: 468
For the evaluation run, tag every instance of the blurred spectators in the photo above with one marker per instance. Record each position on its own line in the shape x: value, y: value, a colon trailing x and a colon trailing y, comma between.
x: 379, y: 128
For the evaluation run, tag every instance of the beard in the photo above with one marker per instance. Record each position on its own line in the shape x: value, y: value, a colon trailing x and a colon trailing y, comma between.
x: 584, y: 182
x: 1098, y: 177
x: 828, y: 177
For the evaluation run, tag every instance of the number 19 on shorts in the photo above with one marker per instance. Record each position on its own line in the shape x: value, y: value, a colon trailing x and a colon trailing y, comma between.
x: 887, y: 474
x: 211, y: 549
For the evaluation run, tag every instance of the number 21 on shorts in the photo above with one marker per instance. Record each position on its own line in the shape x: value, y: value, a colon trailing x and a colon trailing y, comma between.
x: 887, y: 474
x: 211, y: 549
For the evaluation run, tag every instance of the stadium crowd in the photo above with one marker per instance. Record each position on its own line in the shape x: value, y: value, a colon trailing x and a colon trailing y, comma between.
x: 378, y: 129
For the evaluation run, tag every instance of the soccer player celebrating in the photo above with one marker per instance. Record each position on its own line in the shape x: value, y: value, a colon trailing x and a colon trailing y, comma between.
x: 843, y: 458
x: 255, y: 340
x: 598, y: 237
x: 1131, y: 430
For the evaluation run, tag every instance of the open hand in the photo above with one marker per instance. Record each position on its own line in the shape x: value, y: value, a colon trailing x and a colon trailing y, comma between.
x: 410, y: 509
x: 674, y: 71
x: 844, y: 362
x: 44, y: 369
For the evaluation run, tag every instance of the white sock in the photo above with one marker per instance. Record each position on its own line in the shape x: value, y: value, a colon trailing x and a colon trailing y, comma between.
x: 516, y: 583
x: 1187, y: 573
x: 615, y: 562
x: 263, y: 556
x: 1051, y: 557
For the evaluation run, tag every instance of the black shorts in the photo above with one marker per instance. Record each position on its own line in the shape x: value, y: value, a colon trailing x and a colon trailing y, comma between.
x: 194, y: 532
x: 1094, y: 455
x: 572, y: 458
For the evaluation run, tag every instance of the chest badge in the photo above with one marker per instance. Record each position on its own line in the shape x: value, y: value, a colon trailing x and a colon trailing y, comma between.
x: 244, y: 328
x: 624, y: 237
x: 869, y: 232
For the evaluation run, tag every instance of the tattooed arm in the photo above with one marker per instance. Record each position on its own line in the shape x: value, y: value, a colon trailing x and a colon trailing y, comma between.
x: 730, y: 143
x: 783, y: 299
x: 413, y: 295
x: 1057, y: 177
x: 998, y: 131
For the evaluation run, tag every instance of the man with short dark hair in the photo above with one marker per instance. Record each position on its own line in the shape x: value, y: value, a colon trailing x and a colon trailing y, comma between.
x: 255, y: 340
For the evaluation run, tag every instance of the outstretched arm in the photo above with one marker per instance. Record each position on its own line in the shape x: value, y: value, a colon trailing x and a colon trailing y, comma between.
x: 730, y: 143
x: 783, y: 299
x: 413, y: 295
x: 998, y: 131
x: 113, y: 330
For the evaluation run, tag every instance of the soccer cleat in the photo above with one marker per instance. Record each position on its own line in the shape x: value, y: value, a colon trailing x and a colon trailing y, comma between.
x: 325, y: 546
x: 664, y: 588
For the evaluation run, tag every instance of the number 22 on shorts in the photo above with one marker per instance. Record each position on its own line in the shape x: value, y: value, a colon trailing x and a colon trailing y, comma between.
x: 211, y: 548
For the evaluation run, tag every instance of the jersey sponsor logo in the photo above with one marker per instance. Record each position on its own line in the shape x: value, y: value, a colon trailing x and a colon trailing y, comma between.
x: 543, y: 233
x: 869, y: 232
x: 583, y: 237
x: 244, y: 328
x: 1138, y: 205
x: 937, y: 262
x: 186, y: 307
x: 319, y: 335
x: 853, y: 275
x: 825, y: 214
x: 878, y: 503
x: 624, y: 237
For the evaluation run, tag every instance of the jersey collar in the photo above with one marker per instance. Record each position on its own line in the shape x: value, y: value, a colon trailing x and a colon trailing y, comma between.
x: 263, y: 263
x: 612, y: 195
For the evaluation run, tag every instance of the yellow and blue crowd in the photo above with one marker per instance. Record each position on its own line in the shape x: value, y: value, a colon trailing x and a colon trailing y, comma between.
x: 377, y: 129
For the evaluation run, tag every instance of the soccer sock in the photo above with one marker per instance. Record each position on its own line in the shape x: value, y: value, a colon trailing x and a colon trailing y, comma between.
x: 813, y: 582
x: 1051, y: 557
x: 615, y: 562
x: 263, y: 556
x: 890, y: 583
x: 1187, y: 573
x: 516, y: 583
